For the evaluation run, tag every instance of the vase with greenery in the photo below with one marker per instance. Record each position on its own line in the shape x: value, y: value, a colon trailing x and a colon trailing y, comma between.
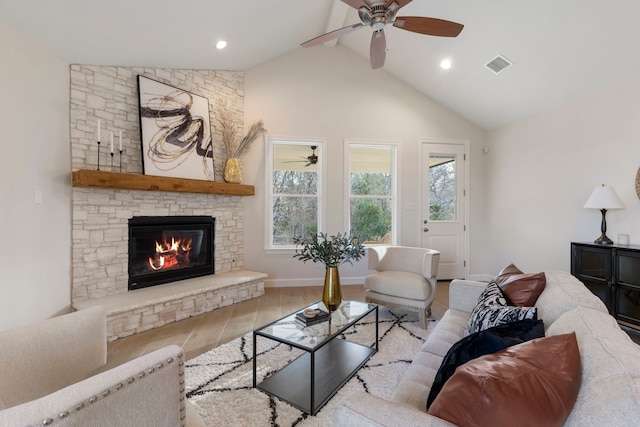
x: 332, y: 251
x: 235, y: 150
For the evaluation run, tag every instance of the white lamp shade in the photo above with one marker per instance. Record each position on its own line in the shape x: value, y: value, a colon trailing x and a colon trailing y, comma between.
x: 604, y: 197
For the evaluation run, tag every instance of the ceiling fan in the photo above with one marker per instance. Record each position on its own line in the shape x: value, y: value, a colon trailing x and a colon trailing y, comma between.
x: 310, y: 160
x: 377, y: 14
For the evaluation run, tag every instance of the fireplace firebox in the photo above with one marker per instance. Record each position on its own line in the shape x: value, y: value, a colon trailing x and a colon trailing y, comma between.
x: 165, y: 249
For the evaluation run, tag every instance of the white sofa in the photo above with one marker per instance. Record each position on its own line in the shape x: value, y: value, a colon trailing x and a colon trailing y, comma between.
x: 49, y: 376
x: 610, y: 389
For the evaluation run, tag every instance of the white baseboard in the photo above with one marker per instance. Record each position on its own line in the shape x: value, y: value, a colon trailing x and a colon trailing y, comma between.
x: 316, y: 281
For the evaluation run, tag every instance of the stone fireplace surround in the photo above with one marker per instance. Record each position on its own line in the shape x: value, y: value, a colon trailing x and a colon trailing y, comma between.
x: 100, y: 216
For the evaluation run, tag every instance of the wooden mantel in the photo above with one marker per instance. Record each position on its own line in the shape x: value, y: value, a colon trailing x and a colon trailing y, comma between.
x: 133, y: 181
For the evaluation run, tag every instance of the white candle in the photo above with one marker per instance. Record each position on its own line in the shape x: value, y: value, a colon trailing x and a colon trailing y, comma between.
x: 120, y: 140
x: 98, y: 130
x: 111, y: 142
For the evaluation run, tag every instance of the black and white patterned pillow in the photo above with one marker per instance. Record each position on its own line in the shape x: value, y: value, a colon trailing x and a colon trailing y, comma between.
x: 492, y: 310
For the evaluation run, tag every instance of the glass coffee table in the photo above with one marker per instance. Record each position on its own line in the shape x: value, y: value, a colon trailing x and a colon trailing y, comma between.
x: 328, y: 361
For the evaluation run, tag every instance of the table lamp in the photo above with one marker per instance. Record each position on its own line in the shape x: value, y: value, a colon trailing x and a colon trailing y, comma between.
x: 604, y: 198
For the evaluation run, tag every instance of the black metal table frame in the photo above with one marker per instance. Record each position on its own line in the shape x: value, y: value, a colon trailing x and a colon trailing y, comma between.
x: 312, y: 352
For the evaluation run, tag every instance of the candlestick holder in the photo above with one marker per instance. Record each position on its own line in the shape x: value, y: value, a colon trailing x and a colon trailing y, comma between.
x: 98, y: 154
x: 120, y: 161
x: 112, y: 161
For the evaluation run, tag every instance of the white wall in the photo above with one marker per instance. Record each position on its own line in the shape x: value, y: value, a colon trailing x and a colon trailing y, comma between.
x: 333, y: 93
x: 542, y: 170
x: 35, y: 259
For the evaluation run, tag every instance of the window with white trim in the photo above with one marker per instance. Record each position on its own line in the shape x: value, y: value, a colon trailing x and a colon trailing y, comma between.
x: 294, y: 190
x: 372, y: 187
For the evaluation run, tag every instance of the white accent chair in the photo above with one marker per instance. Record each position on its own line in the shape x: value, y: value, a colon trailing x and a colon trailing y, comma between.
x: 405, y: 278
x: 50, y: 375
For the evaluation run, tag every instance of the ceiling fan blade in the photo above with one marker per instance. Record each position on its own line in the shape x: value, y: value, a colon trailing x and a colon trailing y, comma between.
x: 332, y: 35
x: 428, y: 26
x: 378, y: 50
x: 356, y: 4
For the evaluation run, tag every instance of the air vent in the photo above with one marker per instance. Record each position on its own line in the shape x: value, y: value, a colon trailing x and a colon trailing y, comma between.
x: 499, y: 64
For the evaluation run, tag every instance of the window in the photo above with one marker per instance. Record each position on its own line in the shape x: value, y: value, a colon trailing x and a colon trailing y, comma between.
x: 372, y: 191
x: 294, y: 191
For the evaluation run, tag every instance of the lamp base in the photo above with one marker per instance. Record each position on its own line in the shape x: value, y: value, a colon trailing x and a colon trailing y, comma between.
x: 603, y: 240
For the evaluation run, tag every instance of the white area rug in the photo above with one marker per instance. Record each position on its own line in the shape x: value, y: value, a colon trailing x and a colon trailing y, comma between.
x: 219, y: 382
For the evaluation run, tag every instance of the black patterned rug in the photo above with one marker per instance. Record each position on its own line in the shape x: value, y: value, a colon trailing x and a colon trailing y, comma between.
x: 219, y: 382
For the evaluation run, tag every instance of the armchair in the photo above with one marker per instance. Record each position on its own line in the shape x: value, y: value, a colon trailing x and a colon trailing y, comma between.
x: 405, y: 278
x: 48, y: 376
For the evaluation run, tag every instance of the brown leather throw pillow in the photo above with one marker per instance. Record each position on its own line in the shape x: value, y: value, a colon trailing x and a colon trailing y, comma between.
x: 506, y: 272
x: 535, y: 384
x: 523, y: 290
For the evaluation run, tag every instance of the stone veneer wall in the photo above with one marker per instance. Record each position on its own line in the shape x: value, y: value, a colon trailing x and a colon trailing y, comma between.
x: 100, y: 216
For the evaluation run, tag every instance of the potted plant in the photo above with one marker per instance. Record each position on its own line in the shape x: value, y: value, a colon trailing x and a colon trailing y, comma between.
x: 332, y: 251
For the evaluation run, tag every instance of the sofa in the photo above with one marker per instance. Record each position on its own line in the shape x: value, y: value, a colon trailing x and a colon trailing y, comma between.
x: 609, y: 381
x: 50, y: 374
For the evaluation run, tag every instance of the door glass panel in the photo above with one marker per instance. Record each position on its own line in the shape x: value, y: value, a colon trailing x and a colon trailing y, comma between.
x: 442, y: 187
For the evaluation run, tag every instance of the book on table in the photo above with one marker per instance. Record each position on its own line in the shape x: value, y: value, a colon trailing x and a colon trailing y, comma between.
x: 302, y: 324
x: 307, y: 320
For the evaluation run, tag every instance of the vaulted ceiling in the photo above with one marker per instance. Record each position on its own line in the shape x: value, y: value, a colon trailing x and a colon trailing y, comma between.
x: 561, y: 50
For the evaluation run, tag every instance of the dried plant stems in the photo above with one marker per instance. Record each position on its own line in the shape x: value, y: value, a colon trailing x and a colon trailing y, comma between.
x: 229, y: 133
x: 256, y: 129
x: 227, y: 128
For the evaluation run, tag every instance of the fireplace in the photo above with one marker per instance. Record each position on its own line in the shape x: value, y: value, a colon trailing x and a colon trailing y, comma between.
x: 164, y: 249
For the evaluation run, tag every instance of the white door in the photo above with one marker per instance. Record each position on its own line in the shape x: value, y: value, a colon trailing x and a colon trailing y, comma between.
x: 443, y: 224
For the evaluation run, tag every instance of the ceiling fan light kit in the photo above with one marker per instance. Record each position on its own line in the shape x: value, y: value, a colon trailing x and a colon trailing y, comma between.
x: 377, y: 14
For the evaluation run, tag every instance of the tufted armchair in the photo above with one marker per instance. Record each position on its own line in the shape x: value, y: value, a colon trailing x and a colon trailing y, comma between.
x: 50, y: 374
x: 405, y: 278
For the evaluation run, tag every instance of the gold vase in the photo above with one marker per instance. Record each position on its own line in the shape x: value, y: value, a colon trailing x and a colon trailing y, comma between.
x: 232, y: 171
x: 332, y: 295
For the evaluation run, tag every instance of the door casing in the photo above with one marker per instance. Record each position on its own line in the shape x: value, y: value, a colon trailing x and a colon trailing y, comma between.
x: 440, y: 145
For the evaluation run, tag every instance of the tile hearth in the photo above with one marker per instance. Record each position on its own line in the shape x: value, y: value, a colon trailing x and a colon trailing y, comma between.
x: 148, y: 308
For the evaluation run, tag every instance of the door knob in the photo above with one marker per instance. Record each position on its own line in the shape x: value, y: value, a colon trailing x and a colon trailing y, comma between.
x: 425, y: 221
x: 425, y: 229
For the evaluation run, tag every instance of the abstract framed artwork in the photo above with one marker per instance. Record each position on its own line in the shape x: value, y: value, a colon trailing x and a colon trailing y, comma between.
x: 175, y: 132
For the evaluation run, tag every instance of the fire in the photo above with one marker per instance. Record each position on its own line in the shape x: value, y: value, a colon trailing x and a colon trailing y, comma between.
x: 171, y: 254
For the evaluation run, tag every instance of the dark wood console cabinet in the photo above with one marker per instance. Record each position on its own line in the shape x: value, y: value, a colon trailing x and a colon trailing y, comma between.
x: 611, y: 272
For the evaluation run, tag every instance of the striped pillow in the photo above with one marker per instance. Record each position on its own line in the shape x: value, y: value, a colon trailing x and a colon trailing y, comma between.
x: 492, y: 310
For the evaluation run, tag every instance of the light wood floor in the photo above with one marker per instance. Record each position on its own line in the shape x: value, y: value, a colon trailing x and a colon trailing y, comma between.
x: 199, y: 334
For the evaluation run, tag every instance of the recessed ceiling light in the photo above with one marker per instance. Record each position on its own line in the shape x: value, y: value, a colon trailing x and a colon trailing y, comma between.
x: 221, y: 44
x: 445, y: 64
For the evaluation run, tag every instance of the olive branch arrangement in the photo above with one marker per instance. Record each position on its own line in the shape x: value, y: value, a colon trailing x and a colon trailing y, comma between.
x: 329, y: 250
